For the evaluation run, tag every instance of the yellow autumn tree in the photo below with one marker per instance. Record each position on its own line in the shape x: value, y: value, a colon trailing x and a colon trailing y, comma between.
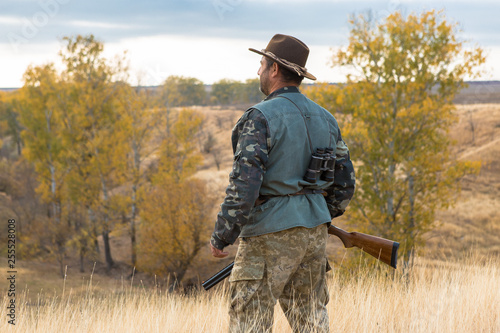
x: 175, y: 208
x: 138, y: 124
x: 40, y: 114
x: 397, y: 111
x: 90, y: 116
x: 180, y: 152
x: 174, y: 226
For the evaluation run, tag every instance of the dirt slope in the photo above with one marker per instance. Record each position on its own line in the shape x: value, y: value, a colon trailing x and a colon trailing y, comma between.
x: 474, y: 222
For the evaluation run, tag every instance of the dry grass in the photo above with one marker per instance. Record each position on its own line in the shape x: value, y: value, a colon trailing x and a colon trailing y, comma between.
x: 435, y: 297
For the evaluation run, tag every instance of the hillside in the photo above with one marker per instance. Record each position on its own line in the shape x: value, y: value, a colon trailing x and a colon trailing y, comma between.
x: 473, y: 224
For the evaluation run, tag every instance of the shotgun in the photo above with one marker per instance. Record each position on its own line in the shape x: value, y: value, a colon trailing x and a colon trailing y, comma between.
x: 383, y: 249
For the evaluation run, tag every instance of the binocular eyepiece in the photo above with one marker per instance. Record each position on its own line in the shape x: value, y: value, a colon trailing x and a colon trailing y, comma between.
x: 322, y: 163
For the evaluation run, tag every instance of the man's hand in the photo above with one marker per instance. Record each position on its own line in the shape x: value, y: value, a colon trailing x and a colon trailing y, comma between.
x: 218, y: 253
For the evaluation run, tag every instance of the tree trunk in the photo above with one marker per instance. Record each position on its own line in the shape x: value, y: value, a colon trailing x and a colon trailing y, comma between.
x: 411, y: 217
x: 133, y: 239
x: 107, y: 250
x: 19, y: 147
x: 94, y: 230
x: 105, y: 234
x: 60, y: 259
x: 82, y: 258
x: 137, y: 168
x: 132, y: 228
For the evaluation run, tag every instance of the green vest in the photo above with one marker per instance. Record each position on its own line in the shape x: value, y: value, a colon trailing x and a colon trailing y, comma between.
x: 289, y: 153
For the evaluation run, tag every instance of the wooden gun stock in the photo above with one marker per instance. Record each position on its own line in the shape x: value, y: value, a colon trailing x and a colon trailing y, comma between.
x: 383, y: 249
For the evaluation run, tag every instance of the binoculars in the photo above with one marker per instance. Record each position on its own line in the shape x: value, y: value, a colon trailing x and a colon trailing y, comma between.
x: 322, y: 163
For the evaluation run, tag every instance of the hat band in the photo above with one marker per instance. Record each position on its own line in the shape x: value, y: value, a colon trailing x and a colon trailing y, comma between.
x: 299, y: 69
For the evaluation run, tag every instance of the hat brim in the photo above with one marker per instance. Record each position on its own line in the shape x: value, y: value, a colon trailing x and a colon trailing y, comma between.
x: 301, y: 71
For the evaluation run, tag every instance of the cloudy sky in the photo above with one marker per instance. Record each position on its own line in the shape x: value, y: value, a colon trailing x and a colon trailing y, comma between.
x: 209, y: 39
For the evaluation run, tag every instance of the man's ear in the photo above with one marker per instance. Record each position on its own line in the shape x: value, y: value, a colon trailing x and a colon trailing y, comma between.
x: 275, y: 69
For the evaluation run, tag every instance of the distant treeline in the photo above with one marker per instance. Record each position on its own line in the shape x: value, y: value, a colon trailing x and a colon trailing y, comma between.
x: 179, y: 91
x: 187, y: 91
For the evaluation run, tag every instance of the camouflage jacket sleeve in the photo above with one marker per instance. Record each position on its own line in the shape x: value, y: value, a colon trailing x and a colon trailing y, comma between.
x: 250, y: 144
x: 339, y: 194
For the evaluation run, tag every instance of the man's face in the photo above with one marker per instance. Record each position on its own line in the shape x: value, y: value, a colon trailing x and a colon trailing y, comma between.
x: 264, y: 76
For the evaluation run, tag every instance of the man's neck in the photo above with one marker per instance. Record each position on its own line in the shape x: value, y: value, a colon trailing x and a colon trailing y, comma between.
x: 286, y: 89
x: 280, y: 84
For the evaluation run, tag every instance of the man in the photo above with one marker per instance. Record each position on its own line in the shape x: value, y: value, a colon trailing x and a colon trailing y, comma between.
x: 281, y: 218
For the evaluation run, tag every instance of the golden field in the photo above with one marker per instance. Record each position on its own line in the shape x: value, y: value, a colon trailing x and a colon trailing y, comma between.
x: 434, y: 297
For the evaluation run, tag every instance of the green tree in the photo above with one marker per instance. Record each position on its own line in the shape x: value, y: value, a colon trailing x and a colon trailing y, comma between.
x: 226, y: 92
x: 9, y: 119
x: 398, y: 111
x: 251, y: 91
x: 182, y: 91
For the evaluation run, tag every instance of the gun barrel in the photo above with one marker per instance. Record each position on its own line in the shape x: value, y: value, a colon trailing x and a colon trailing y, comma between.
x: 218, y: 277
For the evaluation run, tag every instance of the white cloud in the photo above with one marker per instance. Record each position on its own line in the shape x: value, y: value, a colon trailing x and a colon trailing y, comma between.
x: 208, y: 59
x: 492, y: 64
x: 14, y: 64
x: 10, y: 20
x: 155, y: 58
x: 104, y: 25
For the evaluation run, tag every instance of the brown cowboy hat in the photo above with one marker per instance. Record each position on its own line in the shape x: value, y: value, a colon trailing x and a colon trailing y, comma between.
x: 289, y: 52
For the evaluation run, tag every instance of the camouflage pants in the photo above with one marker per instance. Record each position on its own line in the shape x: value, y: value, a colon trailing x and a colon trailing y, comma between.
x: 288, y: 266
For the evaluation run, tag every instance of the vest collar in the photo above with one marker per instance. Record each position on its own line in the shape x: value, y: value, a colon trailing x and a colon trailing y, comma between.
x: 289, y: 89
